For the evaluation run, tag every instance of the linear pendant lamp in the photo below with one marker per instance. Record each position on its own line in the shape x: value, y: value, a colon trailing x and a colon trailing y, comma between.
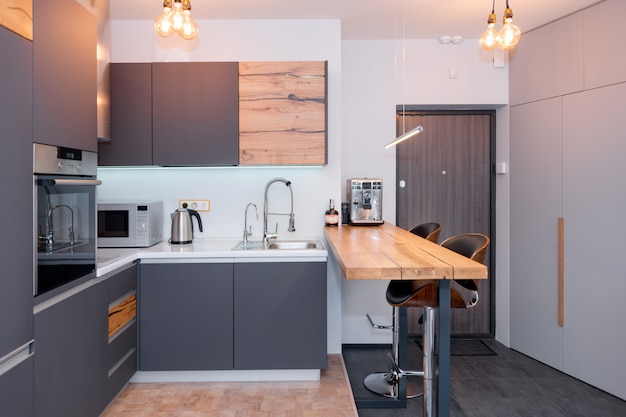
x: 407, y: 135
x: 176, y: 18
x: 507, y: 37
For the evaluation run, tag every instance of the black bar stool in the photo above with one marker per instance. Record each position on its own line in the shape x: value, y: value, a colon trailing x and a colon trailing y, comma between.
x: 423, y: 294
x: 386, y: 383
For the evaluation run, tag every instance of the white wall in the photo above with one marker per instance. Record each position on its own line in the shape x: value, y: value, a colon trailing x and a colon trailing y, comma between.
x: 230, y: 189
x: 376, y: 78
x: 367, y: 80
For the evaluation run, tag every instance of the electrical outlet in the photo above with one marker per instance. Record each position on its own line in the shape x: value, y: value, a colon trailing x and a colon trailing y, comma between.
x: 198, y: 205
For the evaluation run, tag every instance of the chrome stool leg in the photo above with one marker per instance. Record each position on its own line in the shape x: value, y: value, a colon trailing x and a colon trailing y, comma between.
x: 429, y: 359
x: 386, y: 383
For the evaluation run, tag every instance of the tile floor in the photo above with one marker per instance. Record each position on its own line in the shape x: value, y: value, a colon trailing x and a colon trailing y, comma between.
x: 508, y: 384
x: 330, y: 397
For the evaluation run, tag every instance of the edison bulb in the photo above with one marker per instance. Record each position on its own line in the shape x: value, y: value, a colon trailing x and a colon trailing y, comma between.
x: 177, y: 17
x: 162, y: 24
x: 489, y: 39
x: 190, y: 27
x: 509, y: 35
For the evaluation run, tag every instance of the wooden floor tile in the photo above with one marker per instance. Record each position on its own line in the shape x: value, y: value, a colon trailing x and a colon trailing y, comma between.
x: 330, y: 397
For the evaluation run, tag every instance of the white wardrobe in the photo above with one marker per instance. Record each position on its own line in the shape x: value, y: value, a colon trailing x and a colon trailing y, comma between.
x: 568, y: 160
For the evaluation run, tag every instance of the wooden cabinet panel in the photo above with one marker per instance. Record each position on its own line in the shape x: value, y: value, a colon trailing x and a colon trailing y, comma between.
x: 16, y: 15
x: 131, y: 117
x: 65, y: 75
x: 548, y: 61
x: 282, y: 113
x: 194, y: 113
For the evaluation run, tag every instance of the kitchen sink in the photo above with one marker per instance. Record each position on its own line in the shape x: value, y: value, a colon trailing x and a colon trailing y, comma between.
x: 293, y: 244
x: 280, y: 245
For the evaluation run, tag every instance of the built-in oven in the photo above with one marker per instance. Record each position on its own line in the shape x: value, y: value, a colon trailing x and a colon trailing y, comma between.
x: 64, y: 216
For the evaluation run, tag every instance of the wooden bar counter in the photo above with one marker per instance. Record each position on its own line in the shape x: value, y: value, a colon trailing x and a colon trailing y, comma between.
x: 387, y: 252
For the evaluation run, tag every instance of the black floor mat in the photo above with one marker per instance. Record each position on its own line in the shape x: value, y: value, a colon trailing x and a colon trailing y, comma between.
x: 461, y: 347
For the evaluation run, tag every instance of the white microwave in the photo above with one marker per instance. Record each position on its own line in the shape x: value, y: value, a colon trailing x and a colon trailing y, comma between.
x: 125, y: 224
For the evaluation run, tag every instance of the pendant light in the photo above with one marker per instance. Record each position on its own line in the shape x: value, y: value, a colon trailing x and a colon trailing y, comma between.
x: 416, y: 130
x: 489, y: 39
x: 507, y: 37
x: 405, y: 136
x: 176, y: 18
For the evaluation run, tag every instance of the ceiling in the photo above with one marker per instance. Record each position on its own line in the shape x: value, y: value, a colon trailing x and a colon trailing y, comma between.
x: 372, y: 19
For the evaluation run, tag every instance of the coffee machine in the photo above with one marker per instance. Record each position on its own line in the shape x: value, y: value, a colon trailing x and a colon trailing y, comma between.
x: 365, y: 197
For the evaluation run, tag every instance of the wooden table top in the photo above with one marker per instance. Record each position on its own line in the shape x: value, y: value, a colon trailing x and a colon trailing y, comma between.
x: 387, y: 252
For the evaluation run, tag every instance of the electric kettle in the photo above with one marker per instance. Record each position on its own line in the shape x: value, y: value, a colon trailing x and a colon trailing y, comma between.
x: 182, y: 225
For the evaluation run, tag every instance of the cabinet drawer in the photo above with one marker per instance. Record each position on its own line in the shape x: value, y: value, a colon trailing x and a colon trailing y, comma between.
x: 120, y: 345
x: 122, y: 283
x: 121, y: 376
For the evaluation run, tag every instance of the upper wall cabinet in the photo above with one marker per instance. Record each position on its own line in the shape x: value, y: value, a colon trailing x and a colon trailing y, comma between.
x: 540, y: 69
x: 604, y: 32
x: 65, y: 74
x: 282, y: 113
x: 131, y: 117
x: 17, y: 16
x: 194, y: 113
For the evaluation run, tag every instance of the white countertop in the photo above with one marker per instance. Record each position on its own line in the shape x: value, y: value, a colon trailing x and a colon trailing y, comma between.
x: 110, y: 259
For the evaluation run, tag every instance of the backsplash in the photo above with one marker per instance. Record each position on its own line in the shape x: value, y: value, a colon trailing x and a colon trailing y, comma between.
x: 229, y: 190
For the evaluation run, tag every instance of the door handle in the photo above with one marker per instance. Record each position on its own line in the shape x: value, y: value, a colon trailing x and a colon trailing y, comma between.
x: 561, y: 318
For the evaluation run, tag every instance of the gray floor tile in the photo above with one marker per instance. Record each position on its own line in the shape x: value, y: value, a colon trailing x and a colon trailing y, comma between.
x: 508, y: 384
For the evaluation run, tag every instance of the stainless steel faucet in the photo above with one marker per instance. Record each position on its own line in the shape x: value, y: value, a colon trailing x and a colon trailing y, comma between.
x: 50, y: 226
x: 248, y: 231
x: 292, y: 228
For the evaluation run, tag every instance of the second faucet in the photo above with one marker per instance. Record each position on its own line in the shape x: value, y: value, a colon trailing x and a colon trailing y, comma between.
x: 291, y: 228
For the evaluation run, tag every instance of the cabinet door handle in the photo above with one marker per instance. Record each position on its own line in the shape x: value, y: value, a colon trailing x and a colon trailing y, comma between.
x: 561, y: 318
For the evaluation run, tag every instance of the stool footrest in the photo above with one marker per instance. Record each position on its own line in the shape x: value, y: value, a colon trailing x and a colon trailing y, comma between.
x: 377, y: 326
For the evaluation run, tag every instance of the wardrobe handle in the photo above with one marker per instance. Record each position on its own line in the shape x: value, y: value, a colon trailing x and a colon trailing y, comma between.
x: 561, y: 272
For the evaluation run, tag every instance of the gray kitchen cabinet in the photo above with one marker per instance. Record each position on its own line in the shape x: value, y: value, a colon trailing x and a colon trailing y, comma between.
x: 195, y: 115
x: 16, y: 390
x: 548, y: 62
x: 67, y: 356
x: 535, y: 152
x: 599, y: 45
x: 566, y: 162
x: 173, y: 113
x: 16, y: 252
x: 131, y: 117
x: 594, y: 205
x: 186, y: 318
x: 280, y: 315
x: 118, y: 334
x: 65, y: 74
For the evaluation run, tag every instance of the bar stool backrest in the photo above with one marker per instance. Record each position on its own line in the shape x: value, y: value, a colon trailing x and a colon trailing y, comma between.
x: 470, y: 245
x: 429, y: 231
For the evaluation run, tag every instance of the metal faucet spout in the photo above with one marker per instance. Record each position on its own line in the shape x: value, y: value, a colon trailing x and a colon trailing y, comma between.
x: 291, y: 228
x: 50, y: 236
x: 248, y: 231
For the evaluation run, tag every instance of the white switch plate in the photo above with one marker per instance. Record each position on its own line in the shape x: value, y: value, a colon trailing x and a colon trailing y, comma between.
x: 198, y: 205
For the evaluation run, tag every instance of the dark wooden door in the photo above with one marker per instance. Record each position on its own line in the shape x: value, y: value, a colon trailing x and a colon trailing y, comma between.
x: 444, y: 175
